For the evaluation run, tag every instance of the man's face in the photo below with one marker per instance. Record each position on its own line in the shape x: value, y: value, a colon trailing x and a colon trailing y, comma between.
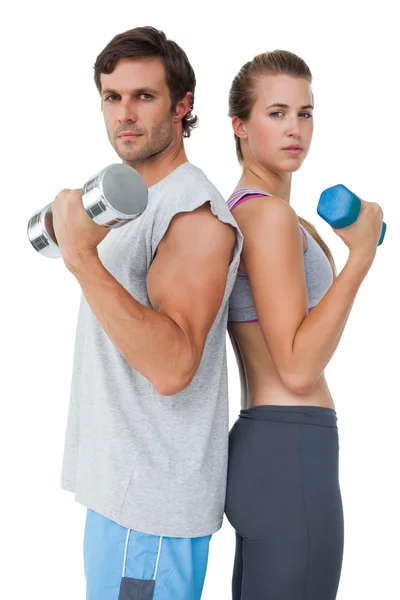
x: 136, y: 106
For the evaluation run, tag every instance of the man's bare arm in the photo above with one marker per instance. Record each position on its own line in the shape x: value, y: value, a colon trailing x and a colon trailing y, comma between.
x: 186, y: 284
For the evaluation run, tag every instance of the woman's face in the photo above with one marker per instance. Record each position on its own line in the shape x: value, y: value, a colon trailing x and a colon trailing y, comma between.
x: 280, y: 126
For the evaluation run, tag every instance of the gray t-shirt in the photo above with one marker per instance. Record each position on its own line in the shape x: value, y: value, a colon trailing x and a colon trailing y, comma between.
x: 153, y: 463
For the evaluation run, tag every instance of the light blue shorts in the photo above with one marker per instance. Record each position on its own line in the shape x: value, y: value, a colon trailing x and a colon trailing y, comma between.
x: 123, y: 564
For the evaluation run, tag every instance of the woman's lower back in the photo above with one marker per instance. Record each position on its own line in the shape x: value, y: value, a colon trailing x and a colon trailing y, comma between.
x: 260, y: 381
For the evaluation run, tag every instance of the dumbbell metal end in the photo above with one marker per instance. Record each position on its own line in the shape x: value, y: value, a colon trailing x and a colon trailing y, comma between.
x: 115, y: 195
x: 112, y: 197
x: 41, y: 233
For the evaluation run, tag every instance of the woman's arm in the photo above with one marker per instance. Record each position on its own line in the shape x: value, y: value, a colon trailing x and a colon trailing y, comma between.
x: 301, y: 344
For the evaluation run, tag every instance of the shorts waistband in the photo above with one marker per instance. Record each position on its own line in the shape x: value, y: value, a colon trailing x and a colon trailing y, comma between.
x: 308, y: 415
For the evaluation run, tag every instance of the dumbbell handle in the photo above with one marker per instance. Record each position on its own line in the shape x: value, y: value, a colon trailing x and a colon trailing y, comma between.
x: 112, y: 197
x: 340, y: 207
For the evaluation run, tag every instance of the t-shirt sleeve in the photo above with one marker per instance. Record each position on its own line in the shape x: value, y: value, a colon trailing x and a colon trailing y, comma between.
x: 170, y: 207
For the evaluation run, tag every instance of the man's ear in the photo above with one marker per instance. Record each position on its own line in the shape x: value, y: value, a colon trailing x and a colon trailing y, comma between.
x: 183, y: 107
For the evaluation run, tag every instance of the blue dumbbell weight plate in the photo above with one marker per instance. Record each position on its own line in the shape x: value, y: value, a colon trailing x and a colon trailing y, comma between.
x: 338, y: 206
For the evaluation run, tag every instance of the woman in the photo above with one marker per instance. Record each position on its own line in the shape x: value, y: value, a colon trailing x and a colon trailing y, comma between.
x: 287, y: 314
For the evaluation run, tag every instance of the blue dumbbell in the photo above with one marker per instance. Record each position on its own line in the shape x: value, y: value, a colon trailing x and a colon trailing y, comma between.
x: 339, y: 207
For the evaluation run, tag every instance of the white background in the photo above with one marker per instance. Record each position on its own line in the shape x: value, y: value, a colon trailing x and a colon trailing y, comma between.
x: 53, y: 137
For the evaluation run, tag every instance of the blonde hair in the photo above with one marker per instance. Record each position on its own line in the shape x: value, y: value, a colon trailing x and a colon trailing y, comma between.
x: 243, y: 95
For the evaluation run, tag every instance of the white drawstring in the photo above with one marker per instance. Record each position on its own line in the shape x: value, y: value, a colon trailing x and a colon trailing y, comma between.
x: 158, y: 558
x: 126, y: 552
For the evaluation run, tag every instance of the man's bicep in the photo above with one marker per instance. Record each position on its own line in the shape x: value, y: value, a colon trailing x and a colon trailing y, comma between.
x: 187, y: 278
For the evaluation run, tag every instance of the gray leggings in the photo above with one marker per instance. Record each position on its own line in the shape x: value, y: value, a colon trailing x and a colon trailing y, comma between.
x: 284, y: 501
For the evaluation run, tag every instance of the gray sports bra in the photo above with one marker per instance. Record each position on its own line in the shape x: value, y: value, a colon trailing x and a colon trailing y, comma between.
x: 318, y: 271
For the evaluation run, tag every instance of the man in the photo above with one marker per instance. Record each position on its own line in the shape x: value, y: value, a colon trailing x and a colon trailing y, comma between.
x: 147, y: 433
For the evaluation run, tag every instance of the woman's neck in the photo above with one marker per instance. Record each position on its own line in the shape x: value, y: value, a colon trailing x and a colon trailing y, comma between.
x: 277, y: 184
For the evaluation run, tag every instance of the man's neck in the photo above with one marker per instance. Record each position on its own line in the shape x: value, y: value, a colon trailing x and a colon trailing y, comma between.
x: 153, y: 172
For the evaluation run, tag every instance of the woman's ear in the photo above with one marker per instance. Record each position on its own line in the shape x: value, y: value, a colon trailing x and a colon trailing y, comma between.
x: 239, y: 128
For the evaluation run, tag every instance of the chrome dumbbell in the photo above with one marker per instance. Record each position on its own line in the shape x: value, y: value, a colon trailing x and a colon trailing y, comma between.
x: 113, y: 197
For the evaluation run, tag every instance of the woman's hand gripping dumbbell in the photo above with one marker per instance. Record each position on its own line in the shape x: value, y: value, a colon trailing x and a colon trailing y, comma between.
x: 357, y: 222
